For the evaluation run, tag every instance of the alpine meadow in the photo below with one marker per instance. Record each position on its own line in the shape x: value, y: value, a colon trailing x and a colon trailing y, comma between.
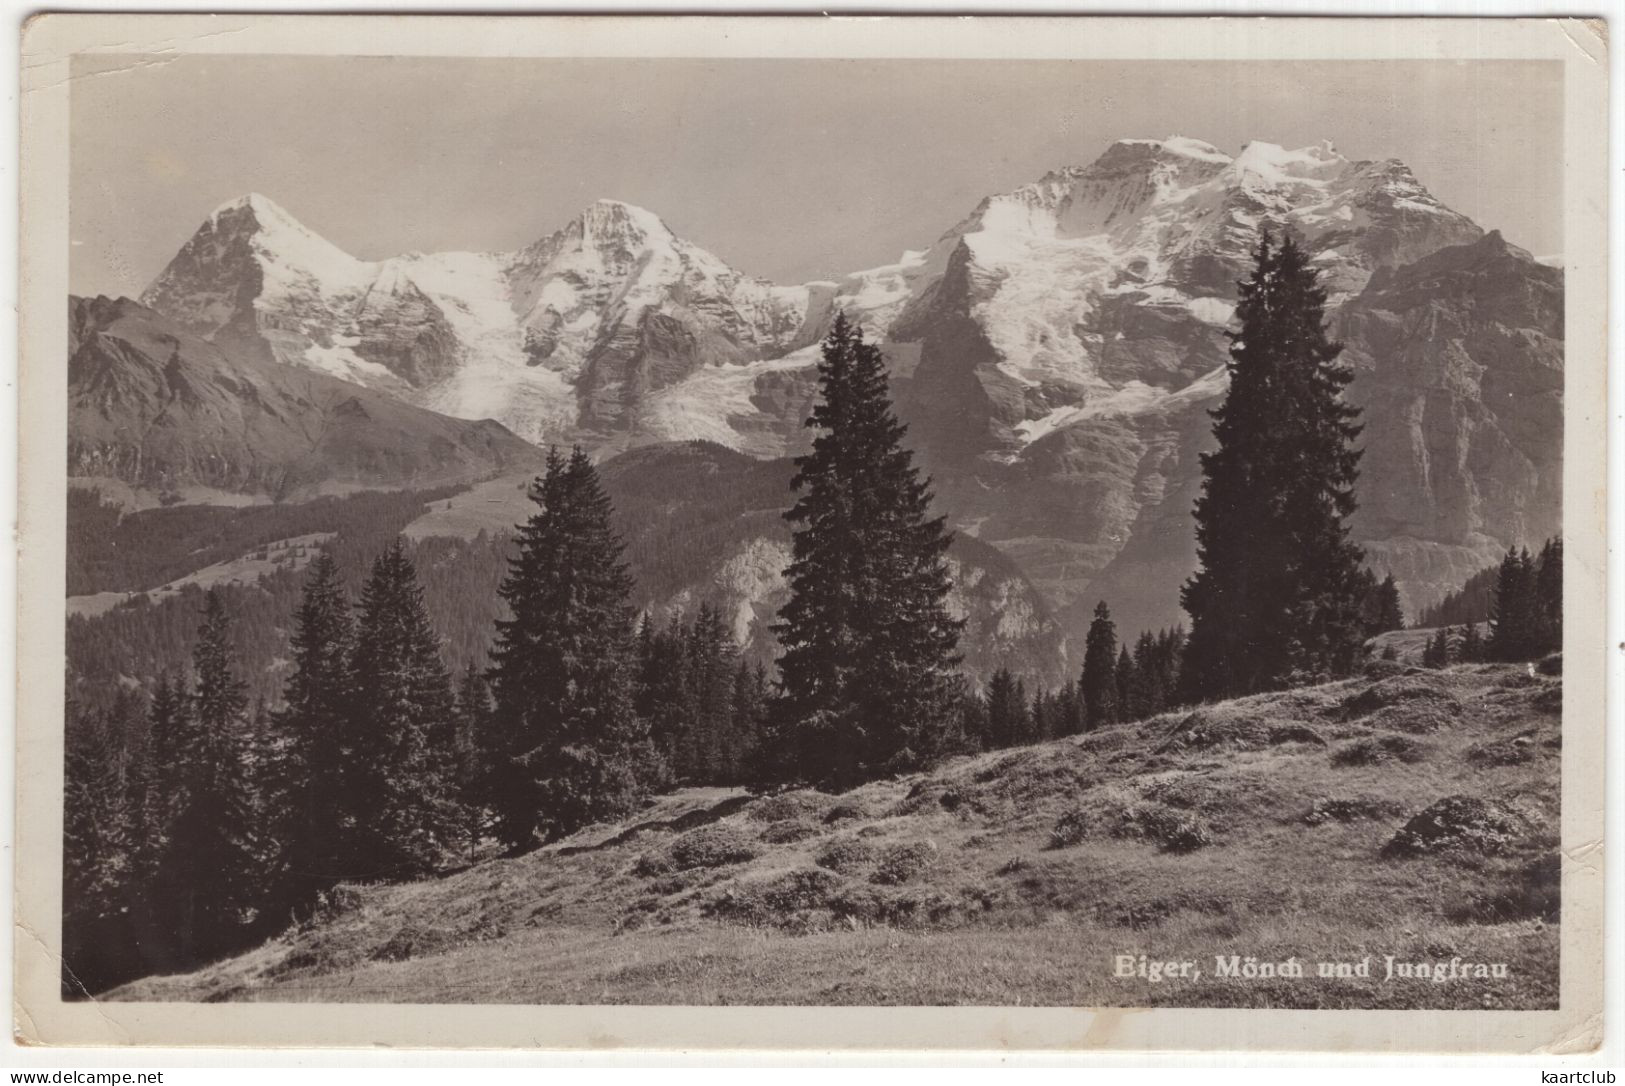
x: 1147, y: 592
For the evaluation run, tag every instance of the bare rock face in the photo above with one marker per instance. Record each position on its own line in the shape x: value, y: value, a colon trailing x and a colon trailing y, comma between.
x: 163, y: 411
x: 666, y: 496
x: 402, y: 329
x: 1459, y: 370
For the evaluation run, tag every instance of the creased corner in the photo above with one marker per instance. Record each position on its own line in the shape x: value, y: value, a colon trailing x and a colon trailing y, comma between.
x: 1584, y: 1037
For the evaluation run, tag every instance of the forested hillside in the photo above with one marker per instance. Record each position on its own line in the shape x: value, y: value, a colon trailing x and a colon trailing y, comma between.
x: 701, y: 524
x: 1471, y: 602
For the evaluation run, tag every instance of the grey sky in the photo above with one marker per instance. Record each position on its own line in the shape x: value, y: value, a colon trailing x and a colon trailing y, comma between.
x: 792, y: 170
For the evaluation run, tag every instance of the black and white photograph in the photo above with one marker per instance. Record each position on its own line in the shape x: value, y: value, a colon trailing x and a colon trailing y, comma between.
x: 843, y: 530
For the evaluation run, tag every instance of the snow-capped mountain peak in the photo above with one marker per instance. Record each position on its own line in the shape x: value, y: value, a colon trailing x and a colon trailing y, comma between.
x: 1273, y: 164
x: 262, y: 205
x: 281, y: 240
x: 615, y: 220
x: 1052, y: 352
x: 1179, y: 145
x: 612, y: 329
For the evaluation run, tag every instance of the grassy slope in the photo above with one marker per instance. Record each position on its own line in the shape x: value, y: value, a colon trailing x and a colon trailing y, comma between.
x: 999, y: 916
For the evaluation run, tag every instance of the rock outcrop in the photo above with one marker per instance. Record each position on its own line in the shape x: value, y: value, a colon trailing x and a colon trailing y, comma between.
x: 158, y: 409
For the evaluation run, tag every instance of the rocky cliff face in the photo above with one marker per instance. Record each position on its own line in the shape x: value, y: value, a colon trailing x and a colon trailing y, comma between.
x: 160, y: 410
x: 1054, y: 353
x: 706, y: 524
x: 1459, y: 366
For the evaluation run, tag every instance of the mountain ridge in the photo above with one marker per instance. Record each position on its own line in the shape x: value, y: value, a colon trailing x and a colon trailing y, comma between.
x: 1054, y: 352
x: 162, y: 411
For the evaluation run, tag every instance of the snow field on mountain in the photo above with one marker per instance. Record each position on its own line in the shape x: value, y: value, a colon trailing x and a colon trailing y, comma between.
x: 1043, y: 259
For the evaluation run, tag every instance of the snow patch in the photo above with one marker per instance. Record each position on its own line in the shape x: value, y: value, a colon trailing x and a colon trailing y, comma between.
x: 1132, y: 399
x: 1212, y: 310
x: 714, y: 403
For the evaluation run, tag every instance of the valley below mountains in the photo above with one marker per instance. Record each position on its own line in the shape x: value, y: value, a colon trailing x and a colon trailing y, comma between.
x: 1055, y: 354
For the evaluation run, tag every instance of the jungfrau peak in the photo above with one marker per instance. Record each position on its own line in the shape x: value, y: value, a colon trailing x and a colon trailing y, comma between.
x: 1054, y: 353
x: 1102, y: 290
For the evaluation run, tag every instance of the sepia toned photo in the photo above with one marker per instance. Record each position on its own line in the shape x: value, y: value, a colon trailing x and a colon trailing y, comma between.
x: 908, y: 536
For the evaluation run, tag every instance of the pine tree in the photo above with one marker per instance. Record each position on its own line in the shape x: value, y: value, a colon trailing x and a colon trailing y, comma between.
x: 1437, y: 651
x: 711, y: 657
x: 1381, y: 610
x: 311, y: 822
x: 168, y: 735
x: 1548, y: 598
x: 1042, y: 720
x: 96, y: 850
x: 1006, y: 710
x: 566, y: 747
x: 1070, y: 708
x: 1126, y: 682
x: 401, y: 783
x: 1389, y: 614
x: 1170, y: 657
x: 1472, y: 646
x: 663, y: 695
x: 1514, y: 614
x: 1278, y: 596
x: 973, y: 721
x: 1370, y: 604
x: 159, y: 796
x: 1021, y: 724
x: 750, y: 700
x: 473, y: 712
x: 1147, y: 694
x: 869, y: 646
x: 1099, y: 683
x: 208, y: 875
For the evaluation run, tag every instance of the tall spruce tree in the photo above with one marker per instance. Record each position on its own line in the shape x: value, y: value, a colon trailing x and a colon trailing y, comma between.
x: 711, y: 656
x: 1515, y: 611
x: 1099, y: 682
x: 869, y: 646
x: 663, y: 692
x: 1278, y: 596
x: 1126, y: 683
x: 1437, y: 651
x: 311, y: 820
x: 751, y: 694
x: 401, y: 784
x: 1472, y: 645
x: 1389, y: 614
x: 1006, y: 710
x: 96, y: 848
x: 566, y: 746
x: 1380, y: 610
x: 1146, y: 694
x: 1070, y: 707
x: 1548, y: 591
x: 973, y: 723
x: 473, y: 714
x: 208, y: 876
x: 1022, y: 726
